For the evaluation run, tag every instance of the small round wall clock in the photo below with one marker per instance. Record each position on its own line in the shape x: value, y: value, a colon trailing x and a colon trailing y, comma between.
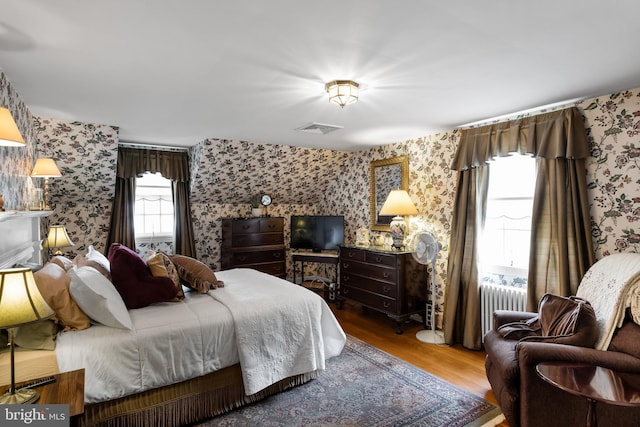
x: 265, y: 199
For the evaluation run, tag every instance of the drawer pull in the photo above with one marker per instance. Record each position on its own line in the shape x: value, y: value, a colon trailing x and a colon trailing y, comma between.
x: 242, y: 258
x: 345, y: 265
x: 246, y: 227
x: 385, y: 275
x: 277, y: 255
x: 378, y: 259
x: 386, y: 289
x: 386, y: 304
x: 346, y: 278
x: 345, y: 291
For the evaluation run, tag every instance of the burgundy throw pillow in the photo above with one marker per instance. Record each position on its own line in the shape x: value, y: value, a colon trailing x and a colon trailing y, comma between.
x: 133, y: 279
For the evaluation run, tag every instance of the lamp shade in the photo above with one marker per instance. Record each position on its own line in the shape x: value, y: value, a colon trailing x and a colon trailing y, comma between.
x: 45, y: 168
x: 20, y: 299
x: 57, y: 238
x: 398, y: 203
x: 342, y: 92
x: 9, y: 133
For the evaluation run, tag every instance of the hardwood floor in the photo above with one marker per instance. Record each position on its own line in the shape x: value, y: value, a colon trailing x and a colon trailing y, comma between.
x: 455, y: 364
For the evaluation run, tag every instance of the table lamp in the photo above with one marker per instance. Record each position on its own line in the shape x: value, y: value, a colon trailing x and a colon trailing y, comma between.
x: 398, y: 203
x: 57, y: 238
x: 45, y: 168
x: 20, y: 303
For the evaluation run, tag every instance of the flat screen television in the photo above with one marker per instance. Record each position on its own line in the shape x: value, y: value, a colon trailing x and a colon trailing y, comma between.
x: 317, y: 233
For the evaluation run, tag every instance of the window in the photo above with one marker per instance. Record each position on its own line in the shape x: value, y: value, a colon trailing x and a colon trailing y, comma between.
x: 507, y: 233
x: 153, y: 214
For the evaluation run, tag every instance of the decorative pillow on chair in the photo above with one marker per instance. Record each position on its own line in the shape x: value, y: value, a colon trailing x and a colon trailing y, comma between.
x: 566, y: 320
x: 53, y: 283
x: 195, y: 274
x: 97, y: 297
x: 133, y: 279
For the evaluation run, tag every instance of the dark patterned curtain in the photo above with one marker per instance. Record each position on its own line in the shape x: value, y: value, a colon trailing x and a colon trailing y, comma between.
x: 561, y: 245
x: 173, y: 165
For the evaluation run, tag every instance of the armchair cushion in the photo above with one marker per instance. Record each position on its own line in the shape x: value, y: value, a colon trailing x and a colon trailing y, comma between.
x: 625, y: 339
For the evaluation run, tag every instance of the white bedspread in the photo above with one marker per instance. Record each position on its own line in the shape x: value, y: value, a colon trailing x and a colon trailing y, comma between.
x: 282, y: 329
x: 173, y: 342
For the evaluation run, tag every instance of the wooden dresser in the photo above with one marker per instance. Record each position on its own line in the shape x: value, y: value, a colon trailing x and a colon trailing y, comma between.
x: 391, y: 282
x: 254, y: 243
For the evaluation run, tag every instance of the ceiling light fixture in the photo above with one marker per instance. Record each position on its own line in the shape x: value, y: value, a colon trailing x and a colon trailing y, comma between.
x: 342, y: 92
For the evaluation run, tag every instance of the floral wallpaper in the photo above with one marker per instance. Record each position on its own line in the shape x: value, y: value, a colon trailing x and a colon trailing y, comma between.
x: 227, y: 173
x: 233, y: 171
x: 431, y: 187
x: 16, y: 163
x: 86, y: 155
x: 613, y: 173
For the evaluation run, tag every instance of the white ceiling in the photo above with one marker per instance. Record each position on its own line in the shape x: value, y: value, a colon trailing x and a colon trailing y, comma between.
x: 174, y: 72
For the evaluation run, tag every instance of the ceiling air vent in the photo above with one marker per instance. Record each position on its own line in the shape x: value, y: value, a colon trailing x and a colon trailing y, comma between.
x: 318, y: 128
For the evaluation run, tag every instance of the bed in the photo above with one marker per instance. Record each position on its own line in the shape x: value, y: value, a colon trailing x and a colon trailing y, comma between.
x: 182, y: 362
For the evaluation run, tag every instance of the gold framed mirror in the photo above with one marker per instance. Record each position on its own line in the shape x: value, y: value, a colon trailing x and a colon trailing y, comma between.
x: 385, y: 175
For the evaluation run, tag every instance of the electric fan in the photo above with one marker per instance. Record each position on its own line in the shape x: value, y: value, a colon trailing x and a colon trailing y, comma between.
x: 424, y: 248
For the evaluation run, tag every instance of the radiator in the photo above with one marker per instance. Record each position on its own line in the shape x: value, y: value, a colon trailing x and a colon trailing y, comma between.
x: 498, y: 297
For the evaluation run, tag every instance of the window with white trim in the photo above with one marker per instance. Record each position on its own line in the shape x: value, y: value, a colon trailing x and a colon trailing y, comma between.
x: 506, y: 237
x: 153, y: 215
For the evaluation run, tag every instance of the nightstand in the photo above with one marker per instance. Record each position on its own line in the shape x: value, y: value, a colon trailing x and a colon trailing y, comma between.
x: 68, y: 389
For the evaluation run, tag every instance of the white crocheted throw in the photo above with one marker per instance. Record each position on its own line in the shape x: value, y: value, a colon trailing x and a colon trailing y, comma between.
x: 612, y: 285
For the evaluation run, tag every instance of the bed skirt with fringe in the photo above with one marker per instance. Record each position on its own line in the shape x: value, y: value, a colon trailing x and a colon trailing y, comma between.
x: 186, y: 402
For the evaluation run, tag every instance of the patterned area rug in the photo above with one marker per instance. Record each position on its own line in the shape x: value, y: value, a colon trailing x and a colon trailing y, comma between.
x: 365, y: 386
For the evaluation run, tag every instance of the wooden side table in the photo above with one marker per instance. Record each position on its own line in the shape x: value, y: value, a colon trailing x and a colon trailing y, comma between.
x: 68, y: 389
x: 594, y: 383
x: 319, y: 257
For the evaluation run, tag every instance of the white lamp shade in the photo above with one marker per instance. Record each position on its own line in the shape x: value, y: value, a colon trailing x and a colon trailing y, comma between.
x: 20, y: 299
x: 45, y: 168
x: 398, y: 203
x: 57, y: 238
x: 9, y: 133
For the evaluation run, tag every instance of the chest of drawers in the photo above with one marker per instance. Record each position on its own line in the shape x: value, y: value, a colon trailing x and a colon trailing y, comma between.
x: 256, y: 243
x: 391, y: 282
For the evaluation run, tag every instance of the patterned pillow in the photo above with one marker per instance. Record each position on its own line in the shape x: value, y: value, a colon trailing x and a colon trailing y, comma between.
x: 195, y: 274
x: 161, y: 266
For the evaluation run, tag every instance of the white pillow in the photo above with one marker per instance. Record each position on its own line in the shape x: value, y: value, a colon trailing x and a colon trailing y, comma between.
x: 98, y: 298
x: 96, y: 256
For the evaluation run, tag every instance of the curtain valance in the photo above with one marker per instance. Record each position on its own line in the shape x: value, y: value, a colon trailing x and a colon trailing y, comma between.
x: 173, y: 165
x: 554, y: 135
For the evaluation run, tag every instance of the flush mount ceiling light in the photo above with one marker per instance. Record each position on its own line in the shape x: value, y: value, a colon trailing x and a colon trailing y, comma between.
x: 342, y: 92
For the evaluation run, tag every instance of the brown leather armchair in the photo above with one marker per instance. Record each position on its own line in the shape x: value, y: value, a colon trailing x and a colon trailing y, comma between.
x: 528, y: 401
